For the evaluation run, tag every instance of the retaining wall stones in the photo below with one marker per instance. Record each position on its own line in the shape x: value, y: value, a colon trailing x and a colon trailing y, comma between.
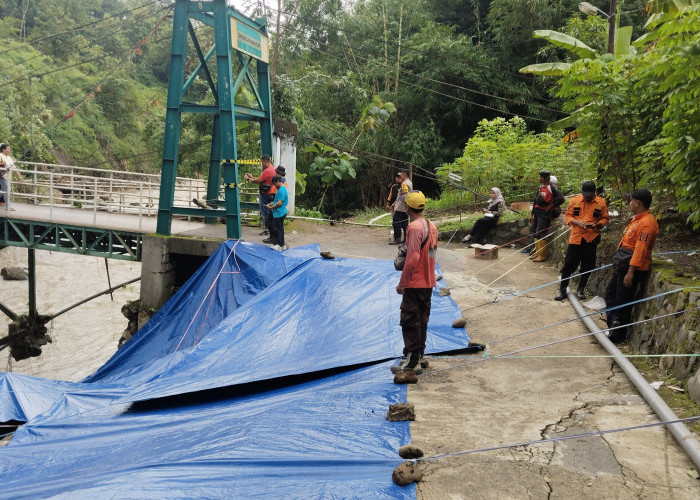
x: 504, y: 232
x: 675, y: 334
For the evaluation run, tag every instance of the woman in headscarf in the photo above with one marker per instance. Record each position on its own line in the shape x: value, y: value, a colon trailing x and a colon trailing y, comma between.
x: 493, y: 212
x: 7, y: 168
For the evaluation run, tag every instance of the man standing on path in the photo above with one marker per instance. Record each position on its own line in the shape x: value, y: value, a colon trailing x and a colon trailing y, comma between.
x: 278, y: 206
x: 393, y: 196
x: 547, y: 199
x: 587, y: 214
x: 631, y: 263
x: 417, y: 281
x: 400, y: 215
x: 264, y: 183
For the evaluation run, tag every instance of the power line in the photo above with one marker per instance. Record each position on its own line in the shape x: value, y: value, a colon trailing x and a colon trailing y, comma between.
x: 78, y: 28
x: 450, y: 96
x: 404, y: 47
x: 405, y: 71
x: 89, y: 42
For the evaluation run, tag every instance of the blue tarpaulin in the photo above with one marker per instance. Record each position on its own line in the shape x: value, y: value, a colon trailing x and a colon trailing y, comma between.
x: 249, y: 315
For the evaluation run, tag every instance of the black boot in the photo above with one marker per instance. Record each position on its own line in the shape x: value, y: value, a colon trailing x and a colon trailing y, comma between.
x: 424, y: 363
x: 562, y: 292
x: 581, y: 293
x: 413, y: 363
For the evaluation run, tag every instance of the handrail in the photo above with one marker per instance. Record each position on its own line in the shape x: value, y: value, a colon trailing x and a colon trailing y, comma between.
x: 101, y: 190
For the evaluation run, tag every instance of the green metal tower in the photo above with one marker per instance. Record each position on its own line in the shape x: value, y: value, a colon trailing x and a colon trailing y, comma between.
x: 240, y: 43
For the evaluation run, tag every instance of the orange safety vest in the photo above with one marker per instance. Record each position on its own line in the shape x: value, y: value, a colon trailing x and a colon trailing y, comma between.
x: 640, y: 236
x: 590, y: 212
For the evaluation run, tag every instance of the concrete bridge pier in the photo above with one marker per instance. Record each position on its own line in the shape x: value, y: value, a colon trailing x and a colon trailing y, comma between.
x: 167, y: 262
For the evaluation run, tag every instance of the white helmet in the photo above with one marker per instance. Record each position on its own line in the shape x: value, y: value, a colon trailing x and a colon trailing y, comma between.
x: 553, y: 179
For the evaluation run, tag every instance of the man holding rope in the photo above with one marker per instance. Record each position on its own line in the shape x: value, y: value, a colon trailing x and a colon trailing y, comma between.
x: 587, y: 214
x: 631, y: 263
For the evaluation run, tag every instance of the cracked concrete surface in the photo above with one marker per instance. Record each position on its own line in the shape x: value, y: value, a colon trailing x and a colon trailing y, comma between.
x: 530, y: 397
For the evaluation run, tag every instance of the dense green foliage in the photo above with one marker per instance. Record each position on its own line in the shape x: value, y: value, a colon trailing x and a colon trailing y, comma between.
x: 428, y: 85
x: 504, y: 154
x: 640, y: 114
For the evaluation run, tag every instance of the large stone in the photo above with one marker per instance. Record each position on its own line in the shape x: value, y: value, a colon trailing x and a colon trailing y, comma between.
x: 406, y: 377
x: 694, y: 387
x: 14, y: 274
x: 406, y: 473
x: 459, y: 323
x: 401, y: 412
x: 410, y: 451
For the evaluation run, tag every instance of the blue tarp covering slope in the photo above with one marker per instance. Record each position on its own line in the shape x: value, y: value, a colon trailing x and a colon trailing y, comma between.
x: 249, y: 314
x: 234, y: 274
x: 322, y: 439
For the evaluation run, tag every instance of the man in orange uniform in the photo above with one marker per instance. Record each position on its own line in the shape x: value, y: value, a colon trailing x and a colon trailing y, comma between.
x: 547, y: 199
x: 587, y: 214
x: 631, y: 263
x: 417, y: 280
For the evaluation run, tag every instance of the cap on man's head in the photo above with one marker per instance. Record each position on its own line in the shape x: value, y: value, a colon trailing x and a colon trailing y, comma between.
x: 588, y: 187
x: 276, y: 178
x: 397, y: 174
x: 415, y: 200
x: 642, y: 195
x: 545, y: 174
x: 265, y: 158
x: 281, y: 171
x: 405, y: 171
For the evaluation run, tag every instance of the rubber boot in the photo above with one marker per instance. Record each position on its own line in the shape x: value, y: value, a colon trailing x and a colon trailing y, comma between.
x: 562, y: 292
x: 581, y: 293
x: 424, y: 363
x: 413, y: 363
x: 541, y: 251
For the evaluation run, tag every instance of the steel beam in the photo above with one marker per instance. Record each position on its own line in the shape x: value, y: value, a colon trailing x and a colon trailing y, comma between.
x: 56, y: 237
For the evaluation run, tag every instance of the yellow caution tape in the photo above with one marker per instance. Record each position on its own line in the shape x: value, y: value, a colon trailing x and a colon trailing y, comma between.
x: 243, y: 162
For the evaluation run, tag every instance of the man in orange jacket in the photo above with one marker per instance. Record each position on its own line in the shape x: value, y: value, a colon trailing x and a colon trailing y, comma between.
x: 587, y: 214
x: 631, y: 264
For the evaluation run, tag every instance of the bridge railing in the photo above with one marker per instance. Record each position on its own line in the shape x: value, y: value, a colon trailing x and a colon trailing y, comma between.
x: 100, y: 190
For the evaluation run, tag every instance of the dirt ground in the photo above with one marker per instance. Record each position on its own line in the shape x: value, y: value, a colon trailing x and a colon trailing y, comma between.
x: 462, y: 405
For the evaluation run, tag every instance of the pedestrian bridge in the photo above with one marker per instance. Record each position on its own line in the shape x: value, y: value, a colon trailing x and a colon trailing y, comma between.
x: 92, y: 211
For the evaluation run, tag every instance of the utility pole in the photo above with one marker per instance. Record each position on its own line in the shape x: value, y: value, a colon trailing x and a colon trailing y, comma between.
x: 611, y: 26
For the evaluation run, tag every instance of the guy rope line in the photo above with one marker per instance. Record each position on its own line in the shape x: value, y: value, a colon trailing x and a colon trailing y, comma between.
x: 554, y: 439
x: 487, y: 356
x: 594, y: 313
x: 211, y: 287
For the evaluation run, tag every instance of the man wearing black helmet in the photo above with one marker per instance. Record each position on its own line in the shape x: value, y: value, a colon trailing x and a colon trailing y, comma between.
x: 548, y: 197
x: 587, y: 214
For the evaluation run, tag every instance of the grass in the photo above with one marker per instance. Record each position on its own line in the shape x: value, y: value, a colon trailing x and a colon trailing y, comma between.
x: 468, y: 220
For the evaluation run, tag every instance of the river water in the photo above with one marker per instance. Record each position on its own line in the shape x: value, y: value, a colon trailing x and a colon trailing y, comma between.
x: 83, y: 338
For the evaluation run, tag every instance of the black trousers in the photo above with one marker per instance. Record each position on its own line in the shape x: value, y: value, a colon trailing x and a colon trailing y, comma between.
x: 617, y: 294
x: 481, y: 226
x: 277, y: 231
x: 583, y: 254
x: 415, y: 312
x: 540, y: 223
x: 400, y: 223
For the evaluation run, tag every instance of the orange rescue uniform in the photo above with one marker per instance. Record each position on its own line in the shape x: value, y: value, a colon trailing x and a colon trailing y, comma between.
x: 590, y: 212
x: 640, y: 236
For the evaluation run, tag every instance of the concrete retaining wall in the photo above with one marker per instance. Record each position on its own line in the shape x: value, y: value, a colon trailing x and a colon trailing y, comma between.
x: 504, y: 232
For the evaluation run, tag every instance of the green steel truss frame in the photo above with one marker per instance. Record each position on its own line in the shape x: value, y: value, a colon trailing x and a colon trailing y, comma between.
x: 57, y: 237
x: 223, y: 154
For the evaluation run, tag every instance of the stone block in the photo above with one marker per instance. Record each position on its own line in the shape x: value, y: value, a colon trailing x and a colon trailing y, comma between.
x: 694, y: 387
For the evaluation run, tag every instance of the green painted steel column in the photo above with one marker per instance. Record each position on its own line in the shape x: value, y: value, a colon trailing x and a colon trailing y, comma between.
x: 214, y: 180
x: 227, y: 118
x: 173, y: 118
x: 265, y: 123
x: 31, y: 263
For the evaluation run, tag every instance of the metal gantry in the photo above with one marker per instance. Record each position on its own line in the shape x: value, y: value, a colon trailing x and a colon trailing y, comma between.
x: 238, y: 42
